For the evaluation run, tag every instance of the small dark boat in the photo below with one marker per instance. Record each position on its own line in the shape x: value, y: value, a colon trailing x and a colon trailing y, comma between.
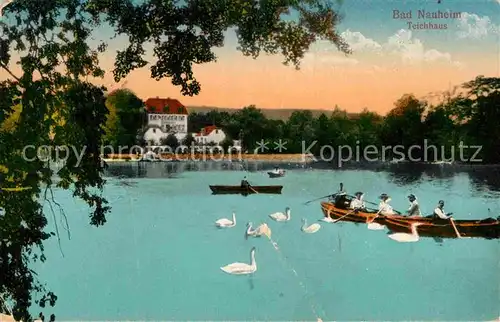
x: 232, y: 190
x: 274, y: 174
x: 428, y: 227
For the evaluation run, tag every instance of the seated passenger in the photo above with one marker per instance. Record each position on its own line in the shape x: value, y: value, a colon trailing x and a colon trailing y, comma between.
x: 357, y: 203
x: 384, y: 208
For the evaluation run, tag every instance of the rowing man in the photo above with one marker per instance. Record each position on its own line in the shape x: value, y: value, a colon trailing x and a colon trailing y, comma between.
x: 439, y: 211
x: 414, y: 210
x: 244, y: 183
x: 340, y: 199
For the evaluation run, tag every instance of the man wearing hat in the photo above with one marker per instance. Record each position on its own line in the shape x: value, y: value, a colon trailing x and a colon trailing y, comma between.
x: 357, y: 203
x: 384, y: 208
x: 414, y: 209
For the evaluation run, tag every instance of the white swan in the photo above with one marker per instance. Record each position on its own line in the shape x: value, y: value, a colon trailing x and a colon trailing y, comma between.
x: 262, y: 229
x: 405, y: 237
x: 311, y: 229
x: 226, y: 223
x: 280, y: 216
x: 242, y: 268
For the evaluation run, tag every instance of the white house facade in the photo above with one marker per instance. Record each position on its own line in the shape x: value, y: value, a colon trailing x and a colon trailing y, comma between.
x: 165, y: 116
x: 210, y: 135
x: 154, y: 134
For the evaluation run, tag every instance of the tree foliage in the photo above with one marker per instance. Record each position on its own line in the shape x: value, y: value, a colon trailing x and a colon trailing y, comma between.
x: 50, y: 40
x: 125, y: 118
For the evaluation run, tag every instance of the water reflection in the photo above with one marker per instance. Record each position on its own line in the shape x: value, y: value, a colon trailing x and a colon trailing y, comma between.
x: 486, y: 177
x: 483, y: 178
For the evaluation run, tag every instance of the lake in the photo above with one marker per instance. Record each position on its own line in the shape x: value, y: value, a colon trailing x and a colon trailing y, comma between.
x: 159, y: 255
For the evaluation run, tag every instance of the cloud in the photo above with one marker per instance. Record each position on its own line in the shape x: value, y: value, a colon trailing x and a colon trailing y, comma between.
x: 401, y: 45
x: 412, y: 50
x: 323, y: 52
x: 326, y: 58
x: 358, y: 41
x: 471, y: 25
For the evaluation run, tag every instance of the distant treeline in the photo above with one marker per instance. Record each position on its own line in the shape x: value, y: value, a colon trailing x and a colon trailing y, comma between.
x: 468, y: 116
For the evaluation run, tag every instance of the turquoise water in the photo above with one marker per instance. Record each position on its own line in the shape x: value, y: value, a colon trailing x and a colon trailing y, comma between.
x: 159, y: 255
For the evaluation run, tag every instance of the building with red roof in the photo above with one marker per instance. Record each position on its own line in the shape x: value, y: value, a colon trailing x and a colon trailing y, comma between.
x: 210, y: 134
x: 165, y: 106
x: 167, y: 113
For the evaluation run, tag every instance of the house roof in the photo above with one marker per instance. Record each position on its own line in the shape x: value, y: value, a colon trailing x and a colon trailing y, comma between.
x: 207, y: 130
x: 165, y: 106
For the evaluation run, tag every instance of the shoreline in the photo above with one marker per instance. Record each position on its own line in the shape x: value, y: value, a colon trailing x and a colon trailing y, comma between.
x: 301, y: 159
x: 197, y: 157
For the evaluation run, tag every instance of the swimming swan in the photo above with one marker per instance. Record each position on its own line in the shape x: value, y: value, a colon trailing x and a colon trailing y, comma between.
x: 279, y: 216
x: 405, y: 237
x: 242, y: 268
x: 311, y: 229
x: 262, y: 229
x: 226, y: 223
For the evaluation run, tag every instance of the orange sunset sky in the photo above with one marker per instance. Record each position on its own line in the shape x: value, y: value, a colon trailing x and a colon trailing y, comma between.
x: 389, y: 60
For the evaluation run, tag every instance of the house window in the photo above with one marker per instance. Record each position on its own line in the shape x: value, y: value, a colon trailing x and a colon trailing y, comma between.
x: 180, y: 110
x: 154, y: 130
x: 166, y: 109
x: 216, y: 131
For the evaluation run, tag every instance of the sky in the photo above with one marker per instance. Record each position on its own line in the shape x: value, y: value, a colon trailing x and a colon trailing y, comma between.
x: 389, y: 59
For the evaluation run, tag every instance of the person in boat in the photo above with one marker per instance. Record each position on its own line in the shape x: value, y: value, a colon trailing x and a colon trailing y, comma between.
x: 244, y: 183
x: 277, y: 170
x: 341, y: 192
x: 340, y: 198
x: 414, y: 209
x: 357, y: 203
x: 439, y: 211
x: 384, y: 208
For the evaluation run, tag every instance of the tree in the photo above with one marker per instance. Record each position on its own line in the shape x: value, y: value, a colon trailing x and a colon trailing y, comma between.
x: 125, y: 118
x: 188, y: 140
x: 171, y: 141
x: 440, y: 132
x: 476, y: 112
x: 403, y: 124
x: 227, y: 144
x: 251, y: 125
x: 367, y: 128
x: 10, y: 123
x: 300, y: 128
x: 51, y: 43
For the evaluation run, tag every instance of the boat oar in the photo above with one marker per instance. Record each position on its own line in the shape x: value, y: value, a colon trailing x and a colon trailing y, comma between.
x: 373, y: 225
x: 308, y: 202
x: 455, y: 228
x: 347, y: 214
x: 255, y: 191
